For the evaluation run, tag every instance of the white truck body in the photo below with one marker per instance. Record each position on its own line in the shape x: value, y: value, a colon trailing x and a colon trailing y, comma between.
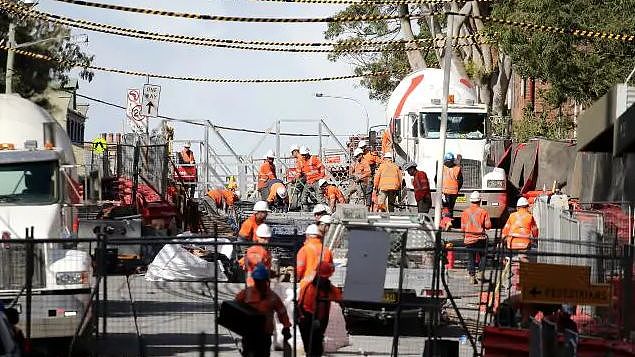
x: 34, y: 192
x: 413, y: 113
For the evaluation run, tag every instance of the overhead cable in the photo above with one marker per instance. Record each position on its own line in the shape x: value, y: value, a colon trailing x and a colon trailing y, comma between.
x: 239, y: 18
x: 366, y: 2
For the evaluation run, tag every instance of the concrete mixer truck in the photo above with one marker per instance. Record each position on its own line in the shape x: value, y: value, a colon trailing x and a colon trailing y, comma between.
x: 413, y: 113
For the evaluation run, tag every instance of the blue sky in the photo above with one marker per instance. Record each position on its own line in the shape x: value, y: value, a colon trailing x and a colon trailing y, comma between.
x: 254, y: 106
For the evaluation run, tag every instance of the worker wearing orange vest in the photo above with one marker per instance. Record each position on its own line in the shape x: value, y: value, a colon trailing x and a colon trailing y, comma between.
x: 314, y: 305
x: 186, y: 156
x: 223, y: 198
x: 266, y: 172
x: 278, y: 196
x: 387, y: 183
x: 520, y: 227
x: 474, y: 221
x: 248, y: 228
x: 265, y: 301
x: 311, y: 254
x: 373, y: 162
x: 452, y: 181
x: 386, y: 141
x: 332, y: 194
x: 257, y: 254
x: 361, y: 174
x: 421, y: 187
x: 312, y: 171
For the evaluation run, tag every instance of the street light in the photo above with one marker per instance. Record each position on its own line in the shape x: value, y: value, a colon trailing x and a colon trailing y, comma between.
x: 322, y: 95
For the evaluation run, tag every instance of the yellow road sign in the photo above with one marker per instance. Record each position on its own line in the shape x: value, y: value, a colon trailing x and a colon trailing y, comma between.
x: 561, y: 284
x: 99, y: 145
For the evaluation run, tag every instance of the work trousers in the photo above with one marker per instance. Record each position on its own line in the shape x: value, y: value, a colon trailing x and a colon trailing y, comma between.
x: 474, y: 255
x: 257, y: 345
x: 311, y: 194
x: 312, y: 331
x: 361, y: 189
x: 424, y: 205
x: 390, y: 196
x: 450, y: 201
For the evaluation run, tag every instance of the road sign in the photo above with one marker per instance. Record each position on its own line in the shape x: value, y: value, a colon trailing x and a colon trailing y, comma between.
x: 150, y: 103
x: 561, y: 284
x: 133, y: 104
x: 99, y: 145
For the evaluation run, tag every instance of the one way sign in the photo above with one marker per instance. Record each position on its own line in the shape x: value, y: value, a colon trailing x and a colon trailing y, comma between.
x: 150, y: 104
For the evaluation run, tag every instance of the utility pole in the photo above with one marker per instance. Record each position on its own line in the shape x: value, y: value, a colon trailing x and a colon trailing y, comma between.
x: 444, y: 117
x: 8, y: 81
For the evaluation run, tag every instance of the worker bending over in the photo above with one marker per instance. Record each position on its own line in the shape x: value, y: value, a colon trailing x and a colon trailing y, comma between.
x: 474, y: 221
x: 314, y: 305
x: 332, y: 194
x: 266, y: 172
x: 223, y: 198
x: 387, y: 184
x: 257, y: 254
x: 264, y: 300
x: 361, y: 174
x: 311, y: 254
x: 421, y: 187
x: 248, y: 228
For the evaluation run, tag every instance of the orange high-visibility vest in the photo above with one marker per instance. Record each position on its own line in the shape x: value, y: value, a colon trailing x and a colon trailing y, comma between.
x: 308, y: 259
x: 248, y: 228
x: 230, y: 197
x: 313, y: 169
x: 519, y: 230
x: 217, y: 196
x: 333, y: 193
x: 273, y: 191
x: 451, y: 179
x: 266, y: 305
x: 386, y: 142
x: 474, y: 221
x: 371, y: 159
x: 362, y: 171
x: 388, y: 177
x: 267, y: 172
x: 254, y: 255
x: 187, y: 156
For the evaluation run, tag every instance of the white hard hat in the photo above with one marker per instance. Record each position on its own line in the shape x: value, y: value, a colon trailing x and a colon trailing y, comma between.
x: 282, y: 192
x: 322, y: 182
x: 261, y: 206
x: 293, y: 148
x: 237, y: 193
x: 522, y: 202
x: 409, y: 165
x: 388, y: 155
x: 187, y: 144
x: 304, y: 150
x: 362, y: 144
x: 320, y: 208
x: 357, y: 152
x: 326, y: 219
x: 475, y: 197
x: 312, y: 230
x: 263, y: 231
x: 270, y: 154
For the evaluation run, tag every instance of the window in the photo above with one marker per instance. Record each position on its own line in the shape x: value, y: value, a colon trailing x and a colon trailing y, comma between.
x: 414, y: 122
x: 460, y: 125
x: 28, y: 183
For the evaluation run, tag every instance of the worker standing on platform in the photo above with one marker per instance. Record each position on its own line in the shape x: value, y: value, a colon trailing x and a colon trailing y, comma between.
x: 373, y: 161
x: 248, y: 228
x: 387, y: 183
x: 186, y: 156
x: 474, y: 221
x: 312, y: 171
x: 314, y: 305
x: 257, y: 254
x: 332, y: 195
x: 361, y: 174
x: 311, y: 254
x: 295, y: 181
x: 421, y: 187
x: 266, y: 172
x: 264, y: 300
x: 452, y: 181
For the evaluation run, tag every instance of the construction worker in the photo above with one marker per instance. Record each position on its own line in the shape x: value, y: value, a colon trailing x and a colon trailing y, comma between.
x: 312, y: 171
x: 421, y: 187
x: 332, y: 194
x: 324, y: 223
x: 361, y: 174
x: 186, y: 156
x: 248, y: 228
x: 520, y: 227
x: 373, y: 162
x: 452, y: 181
x: 446, y: 219
x: 264, y: 300
x: 320, y: 210
x: 223, y: 198
x: 314, y: 305
x: 277, y: 196
x: 474, y: 221
x: 386, y: 141
x: 266, y: 172
x: 257, y: 254
x: 296, y: 186
x: 387, y: 183
x: 311, y: 254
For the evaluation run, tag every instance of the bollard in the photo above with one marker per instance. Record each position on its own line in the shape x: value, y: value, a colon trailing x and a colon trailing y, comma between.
x: 450, y: 256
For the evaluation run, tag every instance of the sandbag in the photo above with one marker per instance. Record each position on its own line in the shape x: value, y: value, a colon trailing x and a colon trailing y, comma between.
x: 175, y: 263
x: 336, y: 336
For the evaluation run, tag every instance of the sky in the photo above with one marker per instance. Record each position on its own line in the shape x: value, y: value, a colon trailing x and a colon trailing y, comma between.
x: 252, y: 106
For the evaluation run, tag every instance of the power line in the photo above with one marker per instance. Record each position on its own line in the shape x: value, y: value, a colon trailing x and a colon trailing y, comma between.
x: 365, y: 2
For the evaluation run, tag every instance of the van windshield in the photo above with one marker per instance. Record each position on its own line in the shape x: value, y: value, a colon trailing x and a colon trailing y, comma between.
x: 28, y: 183
x: 460, y: 125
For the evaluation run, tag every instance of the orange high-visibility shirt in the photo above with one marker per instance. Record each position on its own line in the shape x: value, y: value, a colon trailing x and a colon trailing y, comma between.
x: 333, y: 193
x: 309, y: 298
x: 271, y: 197
x: 308, y: 259
x: 248, y: 228
x: 362, y: 171
x: 187, y: 156
x: 217, y: 196
x: 388, y: 177
x: 386, y: 142
x: 519, y: 229
x: 421, y: 185
x: 451, y: 179
x: 371, y: 159
x: 266, y: 305
x: 313, y: 169
x: 230, y: 197
x: 267, y: 172
x: 474, y: 221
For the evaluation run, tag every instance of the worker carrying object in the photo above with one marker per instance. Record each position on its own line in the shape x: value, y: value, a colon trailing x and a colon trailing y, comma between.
x: 452, y: 181
x: 248, y: 228
x: 311, y: 254
x: 361, y: 174
x: 421, y: 187
x: 332, y: 194
x: 474, y: 221
x: 387, y: 183
x: 520, y: 227
x: 186, y: 156
x: 264, y: 300
x: 314, y: 306
x: 257, y: 254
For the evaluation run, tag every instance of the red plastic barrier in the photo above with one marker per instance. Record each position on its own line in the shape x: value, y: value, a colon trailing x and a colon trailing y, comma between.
x: 186, y: 174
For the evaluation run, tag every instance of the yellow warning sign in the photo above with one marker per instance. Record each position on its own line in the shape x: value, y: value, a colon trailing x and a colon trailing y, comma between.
x: 561, y: 284
x: 99, y: 145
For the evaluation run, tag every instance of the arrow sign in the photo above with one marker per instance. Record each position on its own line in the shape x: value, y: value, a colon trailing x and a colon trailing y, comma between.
x: 151, y: 95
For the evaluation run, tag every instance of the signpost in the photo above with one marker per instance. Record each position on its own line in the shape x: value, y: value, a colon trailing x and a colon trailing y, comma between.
x: 134, y: 109
x: 561, y: 284
x: 150, y: 104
